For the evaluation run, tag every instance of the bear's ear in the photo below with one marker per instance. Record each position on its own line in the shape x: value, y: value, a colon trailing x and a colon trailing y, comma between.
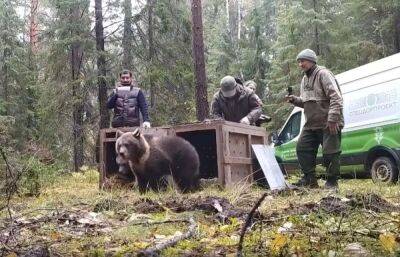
x: 118, y: 133
x: 136, y: 133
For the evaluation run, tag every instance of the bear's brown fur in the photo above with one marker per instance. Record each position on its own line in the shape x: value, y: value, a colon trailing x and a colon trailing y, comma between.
x: 153, y: 158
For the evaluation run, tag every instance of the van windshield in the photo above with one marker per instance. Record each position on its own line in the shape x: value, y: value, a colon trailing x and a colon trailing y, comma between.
x: 291, y: 129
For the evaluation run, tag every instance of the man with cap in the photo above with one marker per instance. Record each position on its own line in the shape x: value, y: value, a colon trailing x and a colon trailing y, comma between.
x: 234, y: 102
x: 322, y: 101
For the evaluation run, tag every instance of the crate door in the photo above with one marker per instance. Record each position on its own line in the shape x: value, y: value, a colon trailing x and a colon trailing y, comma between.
x: 237, y: 156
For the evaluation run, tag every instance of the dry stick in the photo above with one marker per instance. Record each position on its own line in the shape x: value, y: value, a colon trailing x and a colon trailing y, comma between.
x: 153, y: 251
x: 338, y: 229
x: 247, y: 224
x: 34, y: 210
x: 149, y: 223
x: 9, y: 188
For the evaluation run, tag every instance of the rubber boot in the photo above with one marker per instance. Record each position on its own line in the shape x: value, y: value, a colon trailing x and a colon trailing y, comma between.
x: 308, y: 180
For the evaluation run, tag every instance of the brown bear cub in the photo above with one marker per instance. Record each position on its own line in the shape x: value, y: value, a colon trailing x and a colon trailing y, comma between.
x: 153, y: 158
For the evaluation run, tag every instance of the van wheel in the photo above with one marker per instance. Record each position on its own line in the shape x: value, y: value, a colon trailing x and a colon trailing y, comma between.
x: 384, y: 170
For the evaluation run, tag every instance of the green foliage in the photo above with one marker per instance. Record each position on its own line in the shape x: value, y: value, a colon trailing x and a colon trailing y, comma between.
x: 17, y: 81
x: 375, y: 22
x: 37, y: 175
x: 171, y: 69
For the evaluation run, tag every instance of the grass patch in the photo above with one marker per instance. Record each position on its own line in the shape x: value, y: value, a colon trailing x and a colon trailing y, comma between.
x: 72, y: 216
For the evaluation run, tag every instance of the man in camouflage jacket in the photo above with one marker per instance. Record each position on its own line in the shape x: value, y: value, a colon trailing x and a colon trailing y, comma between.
x: 322, y: 101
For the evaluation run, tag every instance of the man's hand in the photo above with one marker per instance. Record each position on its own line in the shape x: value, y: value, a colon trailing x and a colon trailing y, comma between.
x: 333, y: 127
x: 245, y: 120
x: 289, y: 98
x: 146, y: 125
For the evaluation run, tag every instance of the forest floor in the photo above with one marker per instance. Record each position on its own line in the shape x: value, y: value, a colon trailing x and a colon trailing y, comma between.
x: 72, y: 217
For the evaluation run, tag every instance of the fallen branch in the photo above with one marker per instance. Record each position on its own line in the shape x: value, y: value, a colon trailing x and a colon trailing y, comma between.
x: 149, y: 223
x: 10, y: 188
x: 153, y: 251
x: 247, y: 224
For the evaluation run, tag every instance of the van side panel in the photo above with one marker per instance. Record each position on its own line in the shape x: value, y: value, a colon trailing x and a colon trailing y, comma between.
x: 356, y: 144
x: 372, y: 106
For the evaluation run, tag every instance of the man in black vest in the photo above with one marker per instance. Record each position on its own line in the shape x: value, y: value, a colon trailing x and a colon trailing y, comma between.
x: 127, y: 100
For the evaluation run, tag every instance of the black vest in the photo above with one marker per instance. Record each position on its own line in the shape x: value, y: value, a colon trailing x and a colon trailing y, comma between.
x: 126, y: 110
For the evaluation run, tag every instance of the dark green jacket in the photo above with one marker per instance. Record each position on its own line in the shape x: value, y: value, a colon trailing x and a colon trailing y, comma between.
x: 244, y: 103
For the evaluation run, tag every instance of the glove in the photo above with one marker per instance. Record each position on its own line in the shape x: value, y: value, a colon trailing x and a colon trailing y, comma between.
x: 245, y: 120
x: 146, y: 124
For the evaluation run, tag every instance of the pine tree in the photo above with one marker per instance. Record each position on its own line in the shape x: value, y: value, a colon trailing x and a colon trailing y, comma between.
x: 377, y: 23
x: 202, y: 108
x: 101, y: 66
x: 67, y: 89
x: 17, y: 81
x: 127, y: 39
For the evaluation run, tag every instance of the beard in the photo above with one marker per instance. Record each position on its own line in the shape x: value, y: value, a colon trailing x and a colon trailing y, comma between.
x: 126, y: 83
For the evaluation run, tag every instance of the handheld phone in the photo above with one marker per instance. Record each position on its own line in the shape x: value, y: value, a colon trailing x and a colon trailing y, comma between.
x: 290, y: 90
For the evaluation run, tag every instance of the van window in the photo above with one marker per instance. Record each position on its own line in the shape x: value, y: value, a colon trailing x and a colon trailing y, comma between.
x: 292, y: 128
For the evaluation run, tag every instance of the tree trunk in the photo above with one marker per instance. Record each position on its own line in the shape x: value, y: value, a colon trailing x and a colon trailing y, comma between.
x: 202, y: 109
x: 76, y: 64
x: 32, y: 63
x: 227, y: 15
x: 101, y: 66
x: 397, y: 31
x: 233, y: 12
x: 33, y: 27
x: 238, y: 19
x: 316, y: 35
x: 5, y: 26
x: 6, y: 54
x: 151, y: 4
x: 127, y: 59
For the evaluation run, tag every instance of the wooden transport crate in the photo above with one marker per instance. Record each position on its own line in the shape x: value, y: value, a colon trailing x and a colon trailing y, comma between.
x: 224, y: 148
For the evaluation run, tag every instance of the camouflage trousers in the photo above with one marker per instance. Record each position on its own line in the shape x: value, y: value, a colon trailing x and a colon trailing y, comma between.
x: 307, y: 148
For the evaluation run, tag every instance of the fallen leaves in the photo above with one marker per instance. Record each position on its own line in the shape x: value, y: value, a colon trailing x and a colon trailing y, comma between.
x: 388, y: 241
x: 278, y: 243
x: 355, y: 250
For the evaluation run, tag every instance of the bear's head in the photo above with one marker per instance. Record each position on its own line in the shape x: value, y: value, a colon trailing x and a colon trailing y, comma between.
x: 131, y: 146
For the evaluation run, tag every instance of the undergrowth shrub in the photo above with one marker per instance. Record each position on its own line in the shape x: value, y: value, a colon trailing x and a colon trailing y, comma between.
x: 37, y: 175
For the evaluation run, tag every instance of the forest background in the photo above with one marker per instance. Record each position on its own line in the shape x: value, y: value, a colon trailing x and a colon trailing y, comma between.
x: 58, y: 65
